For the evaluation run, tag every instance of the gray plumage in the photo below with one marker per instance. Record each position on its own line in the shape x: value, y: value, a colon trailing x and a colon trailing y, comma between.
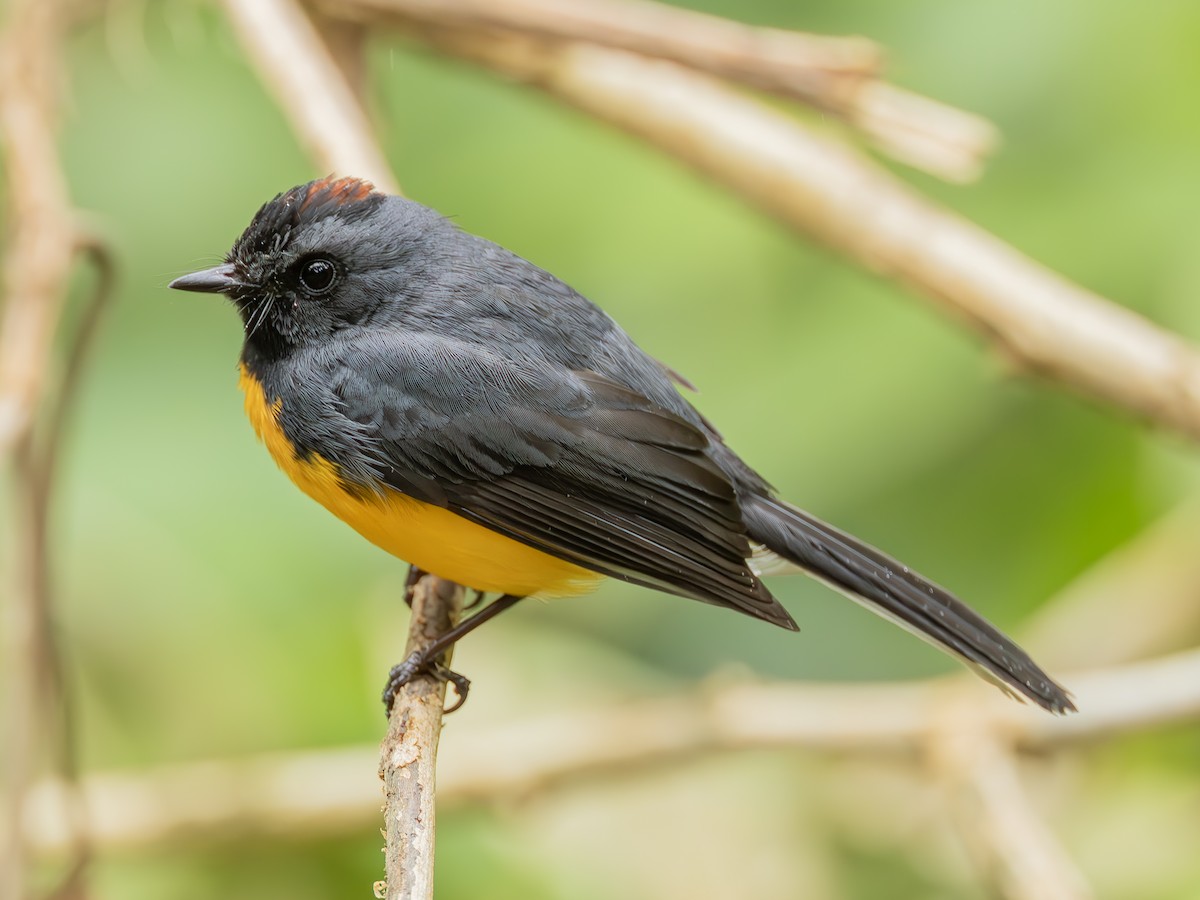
x: 443, y: 366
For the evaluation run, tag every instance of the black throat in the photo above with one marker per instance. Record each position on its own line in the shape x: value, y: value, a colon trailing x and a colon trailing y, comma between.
x: 265, y: 340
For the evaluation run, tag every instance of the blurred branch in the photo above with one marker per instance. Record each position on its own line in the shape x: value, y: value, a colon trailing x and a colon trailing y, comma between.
x: 37, y: 266
x: 834, y: 75
x: 347, y: 45
x: 1141, y: 599
x: 524, y: 757
x: 98, y: 252
x: 868, y: 718
x: 293, y: 60
x: 409, y: 754
x: 833, y: 194
x: 39, y: 252
x: 969, y: 739
x: 36, y: 470
x: 1022, y: 856
x: 311, y: 792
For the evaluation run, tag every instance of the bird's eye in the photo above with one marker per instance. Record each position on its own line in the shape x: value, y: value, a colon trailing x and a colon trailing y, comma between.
x: 317, y: 275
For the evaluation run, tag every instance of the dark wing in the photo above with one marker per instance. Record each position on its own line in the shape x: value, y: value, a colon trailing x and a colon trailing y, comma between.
x: 570, y: 463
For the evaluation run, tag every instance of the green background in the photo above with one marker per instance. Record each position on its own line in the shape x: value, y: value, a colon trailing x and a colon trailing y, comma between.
x: 209, y: 609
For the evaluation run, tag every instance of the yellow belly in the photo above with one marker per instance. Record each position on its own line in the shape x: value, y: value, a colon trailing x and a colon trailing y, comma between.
x: 427, y: 536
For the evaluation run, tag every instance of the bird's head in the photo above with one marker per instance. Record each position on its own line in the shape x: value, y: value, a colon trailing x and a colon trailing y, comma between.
x: 318, y: 258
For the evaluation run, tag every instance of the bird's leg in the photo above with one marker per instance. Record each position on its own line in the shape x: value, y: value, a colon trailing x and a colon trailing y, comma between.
x: 427, y: 661
x: 410, y: 583
x: 479, y: 595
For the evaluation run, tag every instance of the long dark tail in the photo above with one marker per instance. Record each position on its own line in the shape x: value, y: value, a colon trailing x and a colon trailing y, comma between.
x: 895, y: 592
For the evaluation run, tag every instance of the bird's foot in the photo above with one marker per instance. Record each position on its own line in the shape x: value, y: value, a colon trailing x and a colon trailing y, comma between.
x: 418, y: 664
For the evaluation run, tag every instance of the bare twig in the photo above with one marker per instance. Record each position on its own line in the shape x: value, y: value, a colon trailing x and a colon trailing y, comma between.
x: 39, y: 251
x: 835, y: 75
x: 823, y: 71
x: 409, y: 753
x: 837, y: 196
x: 292, y: 59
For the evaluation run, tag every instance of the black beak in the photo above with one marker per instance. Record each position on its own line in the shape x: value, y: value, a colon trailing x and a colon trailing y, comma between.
x: 217, y: 280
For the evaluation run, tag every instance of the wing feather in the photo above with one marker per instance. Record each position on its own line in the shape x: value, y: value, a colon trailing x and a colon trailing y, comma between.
x: 571, y: 463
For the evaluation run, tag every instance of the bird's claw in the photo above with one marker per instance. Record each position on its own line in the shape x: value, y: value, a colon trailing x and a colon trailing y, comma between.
x: 416, y: 665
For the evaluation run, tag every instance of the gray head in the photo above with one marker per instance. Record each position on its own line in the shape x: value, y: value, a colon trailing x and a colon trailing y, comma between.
x: 320, y: 257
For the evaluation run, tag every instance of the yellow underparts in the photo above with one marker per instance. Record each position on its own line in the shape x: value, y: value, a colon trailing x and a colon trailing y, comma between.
x: 427, y: 536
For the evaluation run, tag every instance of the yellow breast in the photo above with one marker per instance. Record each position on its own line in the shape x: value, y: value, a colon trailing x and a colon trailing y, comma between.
x: 427, y: 536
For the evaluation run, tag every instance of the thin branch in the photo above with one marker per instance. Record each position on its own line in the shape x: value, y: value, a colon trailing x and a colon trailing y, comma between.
x: 39, y: 482
x: 923, y: 133
x: 324, y: 791
x: 279, y: 38
x: 837, y: 76
x: 36, y: 269
x: 101, y: 256
x: 1118, y: 700
x: 22, y: 666
x: 409, y: 753
x: 869, y: 718
x: 264, y: 793
x: 35, y: 469
x: 771, y: 58
x: 289, y: 795
x: 1157, y: 571
x: 1011, y: 843
x: 835, y: 195
x: 39, y: 252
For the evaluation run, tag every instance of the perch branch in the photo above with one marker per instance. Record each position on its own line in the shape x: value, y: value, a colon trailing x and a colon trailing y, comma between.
x: 409, y: 753
x: 837, y: 76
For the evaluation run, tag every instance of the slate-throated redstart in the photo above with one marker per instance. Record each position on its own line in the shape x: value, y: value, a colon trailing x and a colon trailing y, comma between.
x: 476, y: 417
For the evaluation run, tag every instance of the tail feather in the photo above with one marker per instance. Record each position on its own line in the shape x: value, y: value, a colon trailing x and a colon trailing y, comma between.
x: 895, y: 592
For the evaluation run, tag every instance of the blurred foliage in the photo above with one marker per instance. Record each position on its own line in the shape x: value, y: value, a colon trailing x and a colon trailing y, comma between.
x: 209, y: 608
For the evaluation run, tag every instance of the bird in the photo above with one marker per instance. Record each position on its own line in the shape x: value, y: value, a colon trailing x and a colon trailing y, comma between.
x: 475, y: 416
